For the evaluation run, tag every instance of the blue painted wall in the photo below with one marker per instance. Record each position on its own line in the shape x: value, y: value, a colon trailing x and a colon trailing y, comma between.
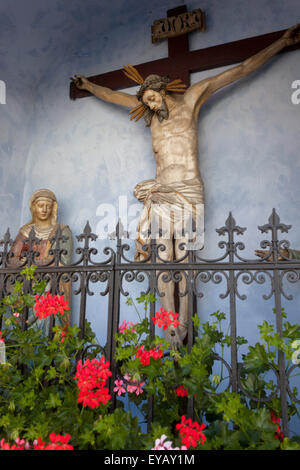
x: 89, y: 152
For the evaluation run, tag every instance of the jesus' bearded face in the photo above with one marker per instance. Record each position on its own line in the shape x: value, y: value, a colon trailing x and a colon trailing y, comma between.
x: 156, y: 103
x: 152, y: 99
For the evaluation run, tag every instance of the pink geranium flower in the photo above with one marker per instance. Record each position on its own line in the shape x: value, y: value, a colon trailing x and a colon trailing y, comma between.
x: 139, y: 389
x: 125, y: 326
x: 119, y: 387
x: 161, y: 444
x: 133, y: 386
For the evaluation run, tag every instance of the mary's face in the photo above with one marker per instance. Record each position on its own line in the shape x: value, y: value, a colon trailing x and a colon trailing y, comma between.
x: 42, y: 209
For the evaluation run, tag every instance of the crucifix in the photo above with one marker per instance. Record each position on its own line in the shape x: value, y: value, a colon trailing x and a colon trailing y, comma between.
x: 170, y: 107
x: 181, y: 61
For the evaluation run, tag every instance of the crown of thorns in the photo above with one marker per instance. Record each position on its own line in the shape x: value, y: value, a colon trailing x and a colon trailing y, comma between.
x: 153, y: 82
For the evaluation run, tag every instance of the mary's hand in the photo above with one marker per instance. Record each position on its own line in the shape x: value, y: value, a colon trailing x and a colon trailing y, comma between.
x: 264, y: 254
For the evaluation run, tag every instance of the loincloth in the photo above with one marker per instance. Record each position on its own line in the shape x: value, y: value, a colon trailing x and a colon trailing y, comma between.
x: 174, y: 210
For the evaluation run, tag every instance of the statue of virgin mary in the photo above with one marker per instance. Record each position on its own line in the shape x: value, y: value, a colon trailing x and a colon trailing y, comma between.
x: 43, y: 206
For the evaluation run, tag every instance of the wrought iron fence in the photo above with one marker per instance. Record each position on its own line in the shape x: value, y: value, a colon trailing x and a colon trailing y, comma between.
x: 117, y: 267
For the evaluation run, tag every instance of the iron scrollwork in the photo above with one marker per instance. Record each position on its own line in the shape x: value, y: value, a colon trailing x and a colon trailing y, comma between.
x: 192, y: 270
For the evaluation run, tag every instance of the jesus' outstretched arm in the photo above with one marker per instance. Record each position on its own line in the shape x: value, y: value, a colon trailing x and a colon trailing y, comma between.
x: 198, y: 93
x: 104, y: 93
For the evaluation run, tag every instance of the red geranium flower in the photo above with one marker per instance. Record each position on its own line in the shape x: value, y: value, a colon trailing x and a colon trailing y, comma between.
x: 58, y: 442
x: 278, y: 433
x: 191, y: 432
x: 5, y: 446
x: 181, y: 391
x: 92, y: 376
x: 165, y: 319
x: 1, y: 339
x: 145, y: 356
x: 63, y: 332
x: 50, y: 305
x: 38, y: 444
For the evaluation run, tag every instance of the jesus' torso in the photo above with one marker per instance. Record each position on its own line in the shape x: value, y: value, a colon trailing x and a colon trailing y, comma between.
x: 174, y: 143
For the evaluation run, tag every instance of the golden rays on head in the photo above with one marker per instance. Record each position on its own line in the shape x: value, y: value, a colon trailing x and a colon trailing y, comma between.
x: 133, y: 74
x: 138, y: 111
x: 175, y: 86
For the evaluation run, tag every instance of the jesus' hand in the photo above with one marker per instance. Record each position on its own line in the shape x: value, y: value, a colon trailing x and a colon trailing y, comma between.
x: 80, y: 81
x: 292, y: 35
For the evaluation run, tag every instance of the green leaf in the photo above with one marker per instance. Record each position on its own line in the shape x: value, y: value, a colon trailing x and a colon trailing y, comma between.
x: 11, y: 406
x: 146, y: 298
x: 38, y: 372
x: 240, y: 340
x: 270, y: 444
x: 65, y: 363
x: 289, y: 444
x: 291, y: 331
x: 87, y: 436
x: 216, y: 379
x: 29, y: 272
x: 115, y: 429
x: 230, y: 405
x: 5, y: 420
x: 10, y: 300
x: 257, y: 358
x: 218, y: 315
x: 53, y: 401
x: 27, y: 398
x: 18, y: 287
x: 39, y: 288
x: 196, y: 321
x: 262, y: 421
x: 52, y: 373
x: 29, y: 300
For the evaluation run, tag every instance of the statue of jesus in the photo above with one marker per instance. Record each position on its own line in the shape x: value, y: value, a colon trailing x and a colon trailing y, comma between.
x: 177, y: 192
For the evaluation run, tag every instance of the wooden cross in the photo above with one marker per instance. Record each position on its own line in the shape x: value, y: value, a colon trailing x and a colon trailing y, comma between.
x: 181, y: 61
